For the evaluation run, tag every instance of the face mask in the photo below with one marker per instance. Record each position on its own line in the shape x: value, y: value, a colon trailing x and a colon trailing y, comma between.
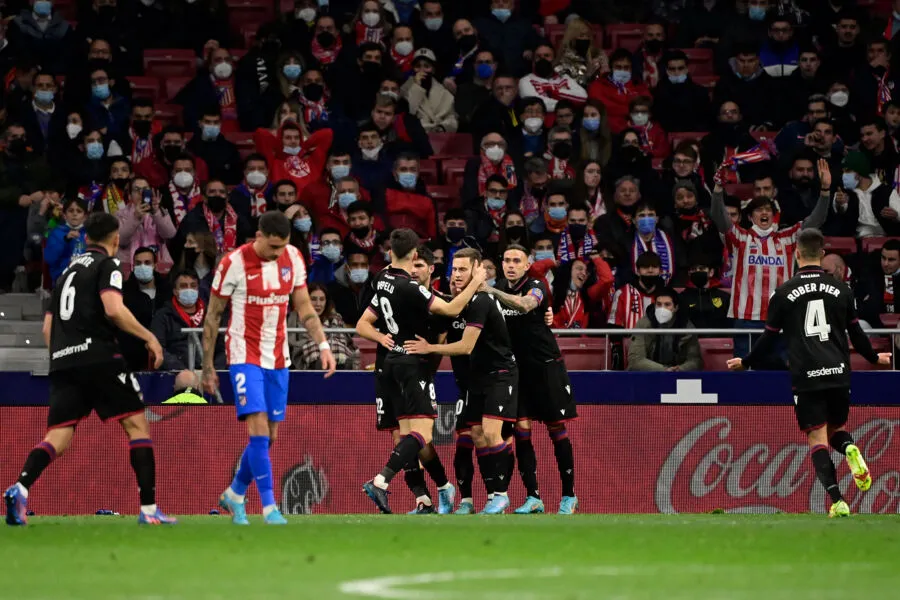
x: 653, y: 46
x: 562, y: 150
x: 339, y: 171
x: 582, y: 47
x: 307, y: 15
x: 44, y: 96
x: 326, y: 39
x: 467, y: 42
x: 699, y: 278
x: 408, y: 180
x: 211, y: 132
x: 291, y: 151
x: 403, y: 48
x: 591, y: 124
x: 303, y: 224
x: 496, y: 203
x: 372, y: 70
x: 332, y: 253
x: 171, y: 152
x: 543, y: 68
x: 557, y: 212
x: 101, y: 91
x: 256, y: 179
x: 491, y: 282
x: 371, y: 153
x: 763, y: 232
x: 533, y: 124
x: 577, y: 230
x: 222, y: 70
x: 120, y: 182
x: 188, y: 296
x: 646, y: 225
x: 143, y: 273
x: 371, y: 18
x: 43, y: 8
x: 346, y: 199
x: 690, y: 210
x: 313, y: 91
x: 94, y: 150
x: 148, y: 2
x: 360, y: 232
x: 621, y: 77
x: 456, y: 234
x: 678, y: 78
x: 840, y: 98
x: 502, y: 14
x: 648, y: 282
x: 640, y: 119
x: 663, y: 315
x: 72, y: 130
x: 849, y: 181
x: 292, y: 71
x: 183, y: 179
x: 390, y: 94
x: 359, y: 275
x: 543, y: 254
x: 494, y: 153
x: 484, y: 71
x: 434, y: 23
x: 516, y: 232
x: 17, y: 147
x: 142, y: 128
x: 756, y: 13
x: 216, y: 203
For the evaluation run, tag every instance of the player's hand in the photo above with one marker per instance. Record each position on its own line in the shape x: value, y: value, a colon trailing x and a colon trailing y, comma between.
x: 328, y: 363
x: 884, y: 359
x: 387, y: 341
x: 673, y: 369
x: 418, y: 346
x: 824, y: 174
x: 735, y: 364
x: 479, y: 275
x: 210, y: 380
x: 155, y: 351
x: 889, y: 213
x: 548, y: 317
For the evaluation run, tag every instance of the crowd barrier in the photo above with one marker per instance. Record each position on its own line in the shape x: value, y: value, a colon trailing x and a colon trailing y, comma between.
x: 644, y: 443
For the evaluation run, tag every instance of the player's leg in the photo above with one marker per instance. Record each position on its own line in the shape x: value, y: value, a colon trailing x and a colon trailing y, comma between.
x: 561, y: 405
x: 414, y: 476
x: 812, y: 418
x: 527, y: 460
x: 494, y: 460
x: 233, y: 499
x: 143, y: 463
x: 841, y: 440
x: 508, y: 434
x: 431, y: 463
x: 386, y: 420
x: 275, y: 391
x: 464, y: 468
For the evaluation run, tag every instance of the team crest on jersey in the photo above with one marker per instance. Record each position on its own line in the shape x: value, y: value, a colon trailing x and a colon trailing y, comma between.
x: 286, y: 273
x: 717, y: 302
x: 242, y: 400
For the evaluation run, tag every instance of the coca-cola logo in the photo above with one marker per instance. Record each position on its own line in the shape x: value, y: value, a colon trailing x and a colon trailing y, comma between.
x: 707, y: 466
x: 302, y: 488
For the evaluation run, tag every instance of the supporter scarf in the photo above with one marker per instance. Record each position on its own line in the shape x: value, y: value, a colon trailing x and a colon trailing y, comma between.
x: 366, y: 243
x: 497, y: 217
x: 559, y: 168
x: 141, y: 148
x: 112, y: 199
x: 598, y: 207
x: 884, y: 92
x: 628, y: 219
x: 651, y: 69
x: 364, y: 33
x: 404, y: 63
x: 313, y: 111
x: 529, y: 206
x: 569, y: 250
x: 644, y: 136
x: 109, y: 197
x: 226, y: 237
x: 195, y: 320
x: 90, y: 195
x: 506, y: 169
x: 257, y: 198
x: 458, y: 65
x: 573, y: 306
x: 226, y: 97
x: 694, y: 225
x: 661, y: 245
x: 182, y: 203
x: 553, y: 225
x: 326, y: 56
x: 889, y: 30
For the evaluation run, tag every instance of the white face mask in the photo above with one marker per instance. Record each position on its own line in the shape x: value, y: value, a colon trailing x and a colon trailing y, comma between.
x: 764, y: 232
x: 533, y: 124
x: 223, y: 70
x: 371, y: 18
x: 256, y: 178
x: 840, y: 98
x: 494, y: 153
x: 306, y: 14
x: 72, y: 130
x: 404, y: 48
x: 183, y: 180
x: 371, y: 154
x: 291, y: 151
x: 663, y: 315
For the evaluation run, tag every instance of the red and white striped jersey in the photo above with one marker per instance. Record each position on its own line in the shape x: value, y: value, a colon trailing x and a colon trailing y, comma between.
x: 761, y: 264
x: 260, y: 292
x: 628, y: 306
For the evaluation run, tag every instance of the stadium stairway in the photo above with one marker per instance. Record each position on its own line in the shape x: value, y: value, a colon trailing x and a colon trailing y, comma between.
x: 22, y: 345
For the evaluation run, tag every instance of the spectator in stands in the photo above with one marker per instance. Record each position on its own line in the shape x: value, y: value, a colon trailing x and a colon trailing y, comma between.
x: 87, y: 165
x: 564, y: 115
x: 576, y: 240
x: 873, y: 81
x: 199, y: 255
x: 693, y: 232
x: 532, y: 140
x: 805, y: 133
x: 730, y: 136
x: 548, y: 85
x: 704, y: 23
x: 144, y: 293
x: 834, y: 265
x: 351, y: 289
x: 303, y: 233
x: 870, y: 208
x: 456, y: 235
x: 618, y: 226
x: 20, y: 86
x: 553, y: 212
x: 559, y: 153
x: 806, y: 80
x: 588, y: 190
x: 284, y: 195
x: 499, y: 113
x: 41, y: 118
x: 653, y: 139
x: 680, y: 104
x: 305, y: 351
x: 322, y: 269
x: 485, y: 216
x: 297, y: 160
x: 361, y: 221
x: 704, y: 301
x: 799, y: 195
x: 673, y: 352
x: 432, y: 30
x: 314, y: 97
x: 594, y: 139
x: 892, y: 118
x: 254, y: 76
x: 510, y: 34
x: 471, y: 95
x: 169, y: 146
x: 429, y: 101
x: 66, y: 240
x: 44, y: 34
x: 183, y: 192
x: 184, y: 308
x: 213, y: 86
x: 399, y: 132
x: 7, y: 53
x: 616, y: 89
x: 405, y: 201
x: 629, y: 159
x: 880, y: 149
x: 372, y: 23
x: 209, y: 143
x: 137, y: 140
x: 355, y: 84
x: 514, y: 231
x: 401, y: 49
x: 579, y: 288
x: 107, y: 109
x: 254, y: 195
x: 879, y: 290
x: 216, y: 216
x: 841, y: 112
x: 579, y: 57
x: 749, y: 28
x: 654, y: 234
x: 462, y: 64
x: 631, y: 301
x: 749, y: 86
x: 330, y: 196
x: 534, y: 191
x: 494, y: 160
x: 106, y: 20
x: 684, y: 170
x: 110, y: 195
x: 780, y: 54
x: 371, y: 164
x: 645, y: 60
x: 144, y: 222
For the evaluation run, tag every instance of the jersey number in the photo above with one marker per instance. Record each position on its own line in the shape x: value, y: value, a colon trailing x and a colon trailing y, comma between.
x: 388, y: 313
x: 816, y: 322
x: 379, y: 406
x: 240, y: 383
x: 67, y: 299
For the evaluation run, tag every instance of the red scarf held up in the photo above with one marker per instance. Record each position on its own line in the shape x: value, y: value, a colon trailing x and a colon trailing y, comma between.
x: 326, y: 56
x: 226, y: 238
x: 227, y: 99
x: 141, y: 149
x: 505, y: 169
x: 194, y: 320
x: 695, y: 225
x: 364, y: 33
x: 497, y: 217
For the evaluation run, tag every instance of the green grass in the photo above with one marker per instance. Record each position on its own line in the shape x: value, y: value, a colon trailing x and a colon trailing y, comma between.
x: 695, y: 557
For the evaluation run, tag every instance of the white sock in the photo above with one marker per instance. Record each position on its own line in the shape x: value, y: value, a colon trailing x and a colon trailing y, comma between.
x: 380, y: 482
x: 501, y: 493
x: 267, y: 510
x: 22, y: 489
x: 490, y: 497
x: 424, y: 500
x: 469, y: 500
x: 149, y: 510
x: 446, y: 486
x: 236, y: 498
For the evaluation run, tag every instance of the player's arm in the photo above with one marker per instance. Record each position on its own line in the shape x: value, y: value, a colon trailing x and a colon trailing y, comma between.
x: 310, y: 320
x: 48, y: 325
x: 365, y: 328
x: 461, y: 348
x: 214, y: 311
x: 118, y: 313
x: 451, y: 309
x: 524, y: 304
x: 859, y: 339
x: 766, y: 342
x: 435, y: 359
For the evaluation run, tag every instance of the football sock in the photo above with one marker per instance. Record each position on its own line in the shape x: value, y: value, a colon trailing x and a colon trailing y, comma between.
x: 499, y: 460
x: 565, y: 460
x: 510, y: 462
x: 432, y: 464
x: 144, y: 465
x: 243, y: 478
x: 485, y: 466
x: 825, y: 471
x: 463, y: 465
x: 840, y: 440
x: 38, y: 459
x: 402, y: 454
x: 527, y: 461
x: 415, y: 481
x: 261, y: 466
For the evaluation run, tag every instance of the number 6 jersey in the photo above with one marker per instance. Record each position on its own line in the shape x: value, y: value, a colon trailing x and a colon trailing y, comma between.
x: 401, y: 305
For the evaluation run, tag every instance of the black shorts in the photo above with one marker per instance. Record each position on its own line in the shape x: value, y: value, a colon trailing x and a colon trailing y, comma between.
x: 107, y: 388
x: 493, y: 397
x: 816, y: 409
x: 546, y: 394
x: 408, y: 383
x: 385, y: 419
x: 462, y: 413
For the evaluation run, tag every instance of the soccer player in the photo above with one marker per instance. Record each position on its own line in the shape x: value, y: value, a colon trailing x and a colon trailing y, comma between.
x: 259, y: 279
x: 87, y: 371
x: 546, y: 392
x: 493, y: 377
x: 816, y: 311
x: 404, y: 305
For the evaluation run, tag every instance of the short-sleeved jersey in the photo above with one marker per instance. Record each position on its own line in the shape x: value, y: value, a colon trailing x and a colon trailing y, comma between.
x: 80, y: 333
x: 493, y: 351
x: 401, y: 305
x: 814, y: 310
x: 260, y: 293
x: 532, y: 340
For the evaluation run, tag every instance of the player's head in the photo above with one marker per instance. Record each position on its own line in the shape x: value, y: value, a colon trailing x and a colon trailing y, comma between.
x: 515, y: 262
x: 423, y: 265
x: 464, y: 263
x: 403, y: 245
x: 102, y: 229
x: 762, y: 212
x: 810, y: 247
x: 273, y: 235
x: 890, y: 257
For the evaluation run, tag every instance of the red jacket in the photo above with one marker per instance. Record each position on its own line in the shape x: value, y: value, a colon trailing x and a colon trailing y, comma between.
x: 654, y: 139
x: 616, y: 103
x: 317, y: 198
x: 409, y: 209
x: 304, y: 168
x: 157, y: 174
x: 564, y: 319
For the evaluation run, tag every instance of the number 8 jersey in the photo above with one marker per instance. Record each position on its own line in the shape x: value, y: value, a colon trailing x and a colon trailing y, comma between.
x: 402, y: 305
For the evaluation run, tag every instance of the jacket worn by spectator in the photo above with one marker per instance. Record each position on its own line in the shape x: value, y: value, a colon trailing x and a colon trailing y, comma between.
x: 167, y: 325
x: 616, y: 97
x: 156, y: 172
x: 407, y: 208
x: 51, y: 47
x: 254, y: 77
x: 879, y: 294
x: 661, y: 352
x: 433, y: 107
x: 469, y: 97
x: 113, y: 117
x: 221, y: 156
x: 305, y: 353
x: 304, y: 168
x: 862, y: 215
x: 154, y: 230
x: 144, y: 306
x: 195, y: 220
x: 244, y: 201
x: 201, y: 92
x: 509, y: 40
x: 372, y: 174
x: 350, y: 299
x: 707, y: 308
x: 321, y: 199
x: 574, y: 312
x: 60, y: 249
x: 681, y: 106
x: 42, y: 128
x: 756, y: 95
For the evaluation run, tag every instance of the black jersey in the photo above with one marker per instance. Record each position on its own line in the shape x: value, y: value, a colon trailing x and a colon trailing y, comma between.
x: 815, y: 310
x: 460, y: 363
x: 401, y: 306
x: 81, y: 334
x: 493, y: 350
x: 532, y: 340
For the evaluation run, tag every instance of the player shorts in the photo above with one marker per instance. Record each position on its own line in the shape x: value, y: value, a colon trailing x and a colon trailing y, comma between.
x: 258, y: 390
x: 462, y: 414
x: 385, y: 417
x: 816, y: 409
x: 493, y: 397
x: 107, y: 388
x: 546, y: 393
x: 407, y: 381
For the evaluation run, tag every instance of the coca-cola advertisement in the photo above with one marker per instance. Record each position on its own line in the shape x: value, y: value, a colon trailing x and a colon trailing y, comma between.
x: 629, y: 459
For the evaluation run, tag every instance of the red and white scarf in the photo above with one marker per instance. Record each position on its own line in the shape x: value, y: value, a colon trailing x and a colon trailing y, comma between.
x: 530, y: 206
x: 497, y: 217
x: 559, y: 168
x: 326, y: 56
x: 884, y: 91
x: 227, y: 99
x: 644, y: 136
x: 506, y: 169
x: 195, y: 320
x: 597, y: 205
x: 694, y: 225
x: 182, y: 203
x: 313, y: 111
x: 226, y: 237
x: 141, y: 148
x: 366, y: 243
x: 258, y: 202
x: 569, y: 250
x: 651, y: 69
x: 573, y: 309
x: 404, y: 63
x: 661, y: 245
x: 364, y: 33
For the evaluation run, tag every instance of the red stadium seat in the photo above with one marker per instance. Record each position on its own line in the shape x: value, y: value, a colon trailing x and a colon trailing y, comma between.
x: 707, y: 81
x: 170, y: 63
x: 174, y: 85
x: 840, y: 245
x: 450, y: 145
x: 428, y: 171
x: 555, y: 34
x: 870, y: 244
x: 241, y: 13
x: 716, y: 352
x: 367, y: 351
x: 744, y: 191
x: 583, y: 353
x: 144, y: 87
x: 452, y: 170
x: 677, y: 138
x: 445, y: 197
x: 625, y: 35
x: 890, y: 320
x: 68, y: 10
x: 700, y: 61
x: 244, y: 141
x: 168, y: 114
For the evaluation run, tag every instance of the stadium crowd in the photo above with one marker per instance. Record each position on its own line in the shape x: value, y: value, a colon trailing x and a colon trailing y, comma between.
x: 655, y: 153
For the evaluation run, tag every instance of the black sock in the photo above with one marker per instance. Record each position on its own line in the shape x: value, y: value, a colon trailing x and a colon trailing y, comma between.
x: 432, y: 464
x: 484, y: 465
x: 825, y: 472
x: 415, y: 480
x: 510, y: 462
x: 144, y: 465
x: 527, y: 461
x: 565, y: 460
x: 402, y: 454
x: 463, y: 466
x: 840, y: 440
x: 38, y: 459
x: 500, y: 463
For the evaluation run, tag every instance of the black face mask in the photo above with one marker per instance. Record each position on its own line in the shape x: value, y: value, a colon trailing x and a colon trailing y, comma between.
x: 360, y: 232
x: 142, y: 128
x: 190, y: 257
x: 631, y: 154
x: 577, y: 231
x: 326, y: 39
x: 562, y: 150
x: 516, y: 232
x: 653, y: 46
x: 17, y: 147
x: 271, y: 48
x: 106, y: 13
x: 693, y: 210
x: 803, y: 183
x: 543, y: 68
x: 171, y: 153
x: 426, y: 82
x: 216, y: 203
x: 120, y: 182
x: 455, y: 234
x: 313, y: 91
x: 699, y: 278
x: 649, y: 282
x: 582, y: 47
x: 371, y: 69
x: 467, y: 42
x: 538, y: 192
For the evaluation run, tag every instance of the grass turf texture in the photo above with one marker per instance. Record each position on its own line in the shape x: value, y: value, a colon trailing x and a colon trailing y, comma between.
x: 696, y: 557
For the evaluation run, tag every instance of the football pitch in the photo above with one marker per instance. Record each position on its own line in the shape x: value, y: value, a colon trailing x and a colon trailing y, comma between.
x: 690, y: 557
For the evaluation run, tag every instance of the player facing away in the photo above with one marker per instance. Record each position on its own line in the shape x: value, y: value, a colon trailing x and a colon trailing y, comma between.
x: 545, y: 390
x: 404, y: 305
x: 87, y: 371
x: 493, y: 378
x: 260, y: 279
x: 816, y: 312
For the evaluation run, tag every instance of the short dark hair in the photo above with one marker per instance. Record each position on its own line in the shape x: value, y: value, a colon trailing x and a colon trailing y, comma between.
x: 646, y: 260
x: 891, y: 246
x: 669, y: 292
x: 877, y: 122
x: 454, y: 214
x: 143, y: 249
x: 671, y: 55
x: 426, y: 254
x: 360, y: 206
x: 531, y: 101
x: 211, y: 110
x: 497, y: 179
x: 619, y: 54
x: 328, y: 230
x: 403, y: 242
x: 176, y: 275
x: 141, y: 102
x: 275, y: 223
x: 257, y: 156
x: 367, y: 47
x: 282, y: 182
x: 471, y: 253
x: 810, y: 243
x: 406, y: 156
x: 99, y: 226
x: 578, y: 206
